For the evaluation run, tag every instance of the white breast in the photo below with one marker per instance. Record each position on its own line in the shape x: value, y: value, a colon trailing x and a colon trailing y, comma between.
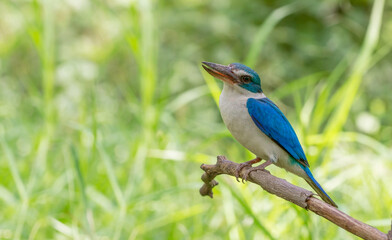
x: 235, y: 115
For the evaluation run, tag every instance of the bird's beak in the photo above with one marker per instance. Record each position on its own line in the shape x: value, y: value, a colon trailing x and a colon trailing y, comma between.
x: 222, y: 72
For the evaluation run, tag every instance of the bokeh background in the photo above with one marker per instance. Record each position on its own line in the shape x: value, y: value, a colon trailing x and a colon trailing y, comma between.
x: 106, y: 115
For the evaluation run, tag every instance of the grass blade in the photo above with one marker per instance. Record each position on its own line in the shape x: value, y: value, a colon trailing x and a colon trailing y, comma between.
x: 266, y: 28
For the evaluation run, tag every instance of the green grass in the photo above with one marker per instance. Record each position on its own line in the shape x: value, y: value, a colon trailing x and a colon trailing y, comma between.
x: 106, y: 116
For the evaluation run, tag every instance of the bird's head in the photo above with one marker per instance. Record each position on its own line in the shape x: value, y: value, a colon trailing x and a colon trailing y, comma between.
x: 235, y: 74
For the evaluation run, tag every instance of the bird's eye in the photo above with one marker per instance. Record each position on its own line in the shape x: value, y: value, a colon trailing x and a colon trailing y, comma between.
x: 245, y: 79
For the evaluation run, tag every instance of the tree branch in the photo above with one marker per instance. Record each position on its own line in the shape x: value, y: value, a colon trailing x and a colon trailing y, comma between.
x: 389, y: 235
x: 291, y: 193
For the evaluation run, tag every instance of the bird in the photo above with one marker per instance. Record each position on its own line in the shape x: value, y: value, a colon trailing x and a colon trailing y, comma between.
x: 259, y: 125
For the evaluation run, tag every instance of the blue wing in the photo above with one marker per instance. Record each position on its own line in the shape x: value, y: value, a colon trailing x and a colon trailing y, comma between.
x: 271, y: 121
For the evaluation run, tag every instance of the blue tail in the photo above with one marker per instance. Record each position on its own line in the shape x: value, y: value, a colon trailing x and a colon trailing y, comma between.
x: 316, y: 186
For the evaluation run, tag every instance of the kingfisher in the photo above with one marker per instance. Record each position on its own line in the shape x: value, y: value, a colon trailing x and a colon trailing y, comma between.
x: 259, y: 125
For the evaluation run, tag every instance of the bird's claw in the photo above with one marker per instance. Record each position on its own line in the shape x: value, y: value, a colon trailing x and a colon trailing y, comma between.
x: 238, y: 170
x: 245, y: 164
x: 261, y: 167
x: 247, y: 173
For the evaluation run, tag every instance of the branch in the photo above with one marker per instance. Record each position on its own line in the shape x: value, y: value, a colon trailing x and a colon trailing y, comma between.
x: 389, y: 235
x: 291, y: 193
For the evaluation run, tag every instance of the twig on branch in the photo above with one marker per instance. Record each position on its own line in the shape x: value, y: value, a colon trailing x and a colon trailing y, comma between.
x: 291, y: 193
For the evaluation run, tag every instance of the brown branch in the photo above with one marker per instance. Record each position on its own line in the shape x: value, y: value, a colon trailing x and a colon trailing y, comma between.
x: 291, y: 193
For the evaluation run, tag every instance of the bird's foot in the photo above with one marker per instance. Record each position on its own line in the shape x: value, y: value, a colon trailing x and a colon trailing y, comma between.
x: 245, y: 164
x: 261, y: 167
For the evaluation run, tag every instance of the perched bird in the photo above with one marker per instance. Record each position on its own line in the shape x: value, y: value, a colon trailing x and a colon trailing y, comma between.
x: 259, y: 125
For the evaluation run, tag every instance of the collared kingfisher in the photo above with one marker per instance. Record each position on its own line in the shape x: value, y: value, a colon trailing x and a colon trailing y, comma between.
x: 259, y: 125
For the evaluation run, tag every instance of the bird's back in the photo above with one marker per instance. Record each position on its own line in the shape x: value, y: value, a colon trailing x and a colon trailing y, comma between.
x: 235, y: 115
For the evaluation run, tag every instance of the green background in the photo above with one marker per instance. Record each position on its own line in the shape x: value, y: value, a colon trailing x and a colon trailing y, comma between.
x: 106, y: 115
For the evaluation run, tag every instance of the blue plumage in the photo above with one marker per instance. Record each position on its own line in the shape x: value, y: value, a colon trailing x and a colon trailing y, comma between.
x: 271, y: 121
x: 317, y: 187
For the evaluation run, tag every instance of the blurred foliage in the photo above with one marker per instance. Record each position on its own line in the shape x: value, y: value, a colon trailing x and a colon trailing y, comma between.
x: 105, y: 115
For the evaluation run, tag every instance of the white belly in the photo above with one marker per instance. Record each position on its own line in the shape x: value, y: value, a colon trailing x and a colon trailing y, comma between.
x: 232, y: 104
